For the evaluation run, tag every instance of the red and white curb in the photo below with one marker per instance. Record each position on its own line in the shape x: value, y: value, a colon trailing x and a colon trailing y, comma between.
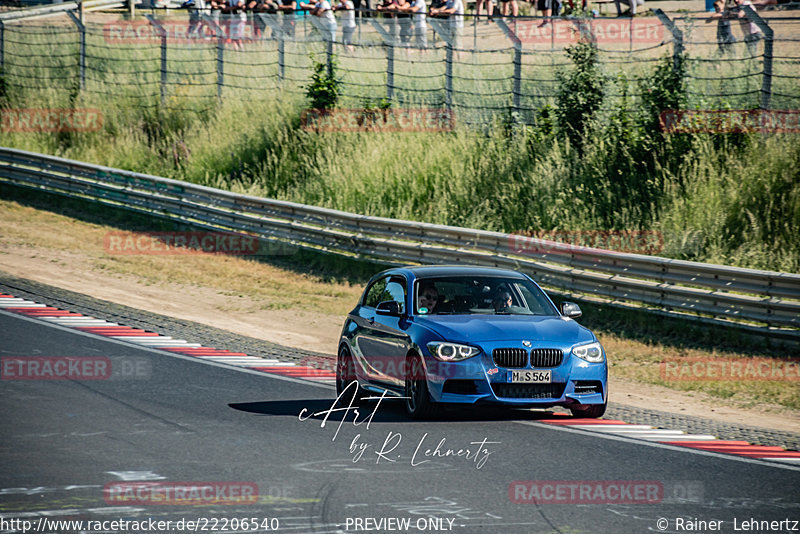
x: 705, y: 442
x: 154, y: 340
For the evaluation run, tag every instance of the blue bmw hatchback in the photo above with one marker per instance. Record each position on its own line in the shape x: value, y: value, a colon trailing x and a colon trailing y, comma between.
x: 469, y: 335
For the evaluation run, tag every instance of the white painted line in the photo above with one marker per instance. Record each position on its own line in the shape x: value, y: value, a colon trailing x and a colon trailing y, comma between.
x: 641, y: 431
x: 222, y: 356
x: 239, y: 361
x: 21, y: 305
x: 600, y: 427
x: 693, y: 437
x: 78, y: 321
x: 788, y: 460
x: 279, y: 364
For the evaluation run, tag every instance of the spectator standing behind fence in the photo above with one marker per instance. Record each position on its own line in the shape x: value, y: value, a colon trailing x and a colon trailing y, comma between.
x: 725, y: 38
x: 388, y: 8
x: 348, y: 22
x: 504, y: 4
x: 632, y: 4
x: 404, y: 21
x: 196, y: 24
x: 548, y: 10
x: 489, y: 8
x: 288, y: 8
x: 258, y: 9
x: 454, y: 10
x: 417, y: 10
x: 327, y: 22
x: 234, y: 11
x: 216, y: 8
x: 750, y: 29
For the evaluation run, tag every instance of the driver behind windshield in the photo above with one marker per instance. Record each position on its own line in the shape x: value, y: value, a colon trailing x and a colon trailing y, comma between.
x: 427, y: 298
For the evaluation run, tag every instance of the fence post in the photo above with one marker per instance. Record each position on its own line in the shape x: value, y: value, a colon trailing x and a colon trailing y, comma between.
x: 677, y: 36
x: 515, y: 40
x: 281, y: 60
x: 2, y: 46
x: 766, y: 81
x: 163, y: 33
x: 220, y: 65
x: 389, y: 71
x: 220, y: 35
x: 329, y: 57
x: 447, y: 36
x: 82, y: 57
x: 277, y: 32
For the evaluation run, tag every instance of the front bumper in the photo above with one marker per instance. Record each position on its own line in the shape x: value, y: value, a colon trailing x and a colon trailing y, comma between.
x: 480, y: 380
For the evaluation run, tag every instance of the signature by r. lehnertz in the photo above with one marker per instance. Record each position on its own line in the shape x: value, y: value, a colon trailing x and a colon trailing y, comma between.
x: 476, y: 452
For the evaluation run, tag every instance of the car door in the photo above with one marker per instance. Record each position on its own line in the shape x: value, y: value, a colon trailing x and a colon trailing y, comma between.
x: 383, y: 341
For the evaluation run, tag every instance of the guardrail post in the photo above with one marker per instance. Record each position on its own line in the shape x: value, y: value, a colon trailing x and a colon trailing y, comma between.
x: 515, y: 40
x: 131, y: 8
x: 163, y: 33
x: 677, y: 36
x: 766, y: 81
x: 82, y: 57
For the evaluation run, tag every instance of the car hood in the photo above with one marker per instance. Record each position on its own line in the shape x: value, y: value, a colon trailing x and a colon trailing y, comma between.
x: 480, y: 328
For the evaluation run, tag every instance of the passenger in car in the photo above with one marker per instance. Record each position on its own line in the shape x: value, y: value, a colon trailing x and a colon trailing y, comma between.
x: 502, y: 301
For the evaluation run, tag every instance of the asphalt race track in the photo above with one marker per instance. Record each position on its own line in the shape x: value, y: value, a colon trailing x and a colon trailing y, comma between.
x: 121, y: 448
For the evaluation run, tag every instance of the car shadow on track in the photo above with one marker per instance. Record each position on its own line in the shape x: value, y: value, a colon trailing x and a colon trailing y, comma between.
x: 389, y: 411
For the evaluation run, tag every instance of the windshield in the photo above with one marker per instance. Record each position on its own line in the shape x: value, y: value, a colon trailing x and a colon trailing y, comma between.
x: 467, y: 295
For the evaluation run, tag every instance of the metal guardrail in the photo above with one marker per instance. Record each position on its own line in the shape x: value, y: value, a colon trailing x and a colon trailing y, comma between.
x: 727, y: 295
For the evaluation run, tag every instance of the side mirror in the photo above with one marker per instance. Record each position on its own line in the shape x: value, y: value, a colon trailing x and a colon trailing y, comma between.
x: 388, y: 307
x: 571, y: 310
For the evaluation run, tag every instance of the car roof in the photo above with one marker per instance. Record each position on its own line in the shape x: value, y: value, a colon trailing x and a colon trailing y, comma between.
x: 426, y: 271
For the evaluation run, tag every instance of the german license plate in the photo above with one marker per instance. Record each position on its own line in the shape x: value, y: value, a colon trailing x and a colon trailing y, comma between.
x: 530, y: 377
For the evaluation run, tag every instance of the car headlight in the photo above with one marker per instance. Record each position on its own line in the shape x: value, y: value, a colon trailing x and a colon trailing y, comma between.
x: 452, y: 352
x: 592, y: 352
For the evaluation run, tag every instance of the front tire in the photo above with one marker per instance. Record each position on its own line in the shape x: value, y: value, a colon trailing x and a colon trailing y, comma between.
x: 418, y: 399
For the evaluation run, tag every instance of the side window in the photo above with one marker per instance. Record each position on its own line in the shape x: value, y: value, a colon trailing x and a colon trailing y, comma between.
x: 374, y: 293
x: 396, y: 291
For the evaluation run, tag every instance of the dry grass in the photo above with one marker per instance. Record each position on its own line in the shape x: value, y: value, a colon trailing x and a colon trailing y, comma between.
x: 263, y: 286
